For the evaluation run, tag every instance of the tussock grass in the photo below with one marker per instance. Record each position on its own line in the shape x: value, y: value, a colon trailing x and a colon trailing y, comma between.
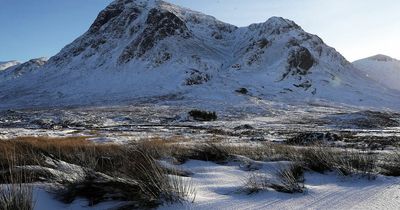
x: 15, y: 191
x: 16, y: 196
x: 390, y: 165
x: 255, y: 183
x: 291, y: 179
x: 132, y: 173
x: 345, y: 162
x: 127, y: 173
x: 316, y: 158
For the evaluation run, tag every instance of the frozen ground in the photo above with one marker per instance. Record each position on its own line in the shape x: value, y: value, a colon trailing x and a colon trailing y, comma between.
x: 272, y: 122
x: 220, y: 186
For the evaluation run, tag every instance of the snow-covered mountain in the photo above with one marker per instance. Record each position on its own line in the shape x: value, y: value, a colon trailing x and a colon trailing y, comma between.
x: 20, y: 69
x: 7, y: 64
x: 140, y: 49
x: 382, y: 68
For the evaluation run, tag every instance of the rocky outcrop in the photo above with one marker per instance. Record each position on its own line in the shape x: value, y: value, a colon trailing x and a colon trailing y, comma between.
x: 140, y: 49
x: 159, y: 25
x: 300, y: 62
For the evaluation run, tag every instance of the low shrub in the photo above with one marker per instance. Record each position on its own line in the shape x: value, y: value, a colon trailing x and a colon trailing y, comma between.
x: 203, y: 115
x: 243, y: 91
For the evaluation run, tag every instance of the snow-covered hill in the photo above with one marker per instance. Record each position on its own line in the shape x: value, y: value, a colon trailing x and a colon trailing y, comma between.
x: 20, y: 69
x: 7, y: 64
x: 142, y: 49
x: 382, y: 68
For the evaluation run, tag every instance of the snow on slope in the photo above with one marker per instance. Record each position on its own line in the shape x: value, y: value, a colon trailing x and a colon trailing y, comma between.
x: 384, y: 69
x: 8, y: 64
x: 21, y: 69
x: 147, y: 49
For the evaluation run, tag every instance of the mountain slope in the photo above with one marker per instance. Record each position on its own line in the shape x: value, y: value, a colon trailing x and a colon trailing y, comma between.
x: 152, y: 49
x: 7, y: 64
x: 20, y: 69
x: 384, y: 69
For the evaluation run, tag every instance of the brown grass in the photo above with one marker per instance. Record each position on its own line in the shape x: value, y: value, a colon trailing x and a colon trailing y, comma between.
x: 76, y: 150
x: 146, y: 182
x: 15, y: 190
x: 390, y: 164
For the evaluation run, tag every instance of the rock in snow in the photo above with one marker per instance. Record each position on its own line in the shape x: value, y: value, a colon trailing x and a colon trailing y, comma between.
x: 138, y: 49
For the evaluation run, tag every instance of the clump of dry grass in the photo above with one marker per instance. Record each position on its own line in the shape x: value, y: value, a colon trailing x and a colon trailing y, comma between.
x: 390, y: 165
x: 345, y: 162
x: 15, y: 191
x: 255, y: 183
x: 291, y: 179
x: 118, y: 172
x: 315, y: 158
x: 16, y: 196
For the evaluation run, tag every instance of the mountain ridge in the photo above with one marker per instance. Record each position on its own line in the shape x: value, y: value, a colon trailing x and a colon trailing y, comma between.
x: 149, y: 49
x: 7, y: 64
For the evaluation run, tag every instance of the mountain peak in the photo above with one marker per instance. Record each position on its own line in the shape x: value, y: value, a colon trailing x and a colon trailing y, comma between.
x: 381, y: 57
x: 7, y: 64
x: 280, y: 21
x: 151, y: 48
x: 276, y: 24
x: 381, y: 68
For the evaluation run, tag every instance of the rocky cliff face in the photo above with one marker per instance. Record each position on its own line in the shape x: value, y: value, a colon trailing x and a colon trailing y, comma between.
x: 145, y: 49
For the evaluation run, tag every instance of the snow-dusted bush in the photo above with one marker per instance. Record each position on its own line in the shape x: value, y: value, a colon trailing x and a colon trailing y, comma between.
x: 243, y: 91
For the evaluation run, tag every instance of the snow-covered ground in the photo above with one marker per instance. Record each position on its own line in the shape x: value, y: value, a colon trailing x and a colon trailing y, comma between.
x: 143, y: 65
x: 221, y: 187
x: 45, y: 200
x: 270, y: 122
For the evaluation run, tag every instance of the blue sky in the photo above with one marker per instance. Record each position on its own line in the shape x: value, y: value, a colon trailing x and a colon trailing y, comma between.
x: 356, y: 28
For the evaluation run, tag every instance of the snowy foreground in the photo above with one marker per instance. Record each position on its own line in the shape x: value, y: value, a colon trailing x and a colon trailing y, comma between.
x: 222, y: 185
x: 219, y: 187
